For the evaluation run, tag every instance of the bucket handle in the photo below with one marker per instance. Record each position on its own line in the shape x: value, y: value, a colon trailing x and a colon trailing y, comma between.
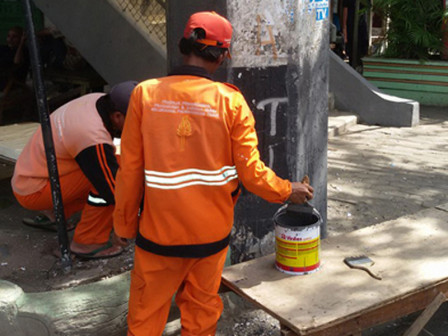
x: 298, y: 208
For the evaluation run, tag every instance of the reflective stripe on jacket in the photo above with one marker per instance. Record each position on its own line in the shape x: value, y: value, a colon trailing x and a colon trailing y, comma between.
x: 187, y: 142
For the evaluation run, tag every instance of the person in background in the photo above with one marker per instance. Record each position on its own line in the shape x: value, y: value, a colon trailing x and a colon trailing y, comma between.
x: 83, y: 133
x: 52, y: 46
x: 336, y: 18
x: 187, y: 144
x: 14, y: 60
x: 15, y: 95
x: 348, y: 26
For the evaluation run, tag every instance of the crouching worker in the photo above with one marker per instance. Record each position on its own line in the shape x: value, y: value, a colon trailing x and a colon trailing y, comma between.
x: 83, y: 132
x: 187, y: 143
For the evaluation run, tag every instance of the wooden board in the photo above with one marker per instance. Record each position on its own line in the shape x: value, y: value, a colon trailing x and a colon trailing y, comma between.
x: 14, y: 137
x: 410, y: 254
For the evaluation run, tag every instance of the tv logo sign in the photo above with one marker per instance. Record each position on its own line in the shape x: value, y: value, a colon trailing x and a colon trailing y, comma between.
x: 321, y: 7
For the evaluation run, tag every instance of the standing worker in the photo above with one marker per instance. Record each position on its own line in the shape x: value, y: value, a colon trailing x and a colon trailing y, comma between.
x: 187, y: 143
x: 83, y: 132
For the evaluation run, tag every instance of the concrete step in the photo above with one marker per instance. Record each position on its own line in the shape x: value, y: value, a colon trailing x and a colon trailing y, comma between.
x: 339, y: 122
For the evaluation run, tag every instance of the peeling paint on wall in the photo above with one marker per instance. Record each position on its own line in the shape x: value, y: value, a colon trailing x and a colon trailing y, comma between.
x: 268, y: 33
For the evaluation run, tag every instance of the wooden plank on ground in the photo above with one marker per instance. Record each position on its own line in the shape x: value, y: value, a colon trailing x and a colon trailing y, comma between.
x: 410, y: 254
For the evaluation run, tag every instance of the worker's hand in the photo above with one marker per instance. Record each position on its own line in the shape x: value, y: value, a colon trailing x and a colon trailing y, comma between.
x: 119, y: 241
x: 301, y: 192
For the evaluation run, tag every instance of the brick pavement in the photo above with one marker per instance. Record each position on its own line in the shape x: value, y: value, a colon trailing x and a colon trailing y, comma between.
x: 381, y: 173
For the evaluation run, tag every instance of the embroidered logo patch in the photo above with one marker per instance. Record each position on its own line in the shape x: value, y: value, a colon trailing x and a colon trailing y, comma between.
x: 183, y: 131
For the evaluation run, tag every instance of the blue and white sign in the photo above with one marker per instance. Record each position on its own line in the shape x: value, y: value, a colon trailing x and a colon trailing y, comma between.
x: 321, y: 7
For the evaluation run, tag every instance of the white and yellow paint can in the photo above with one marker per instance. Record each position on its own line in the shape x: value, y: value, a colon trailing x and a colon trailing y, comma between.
x: 297, y: 239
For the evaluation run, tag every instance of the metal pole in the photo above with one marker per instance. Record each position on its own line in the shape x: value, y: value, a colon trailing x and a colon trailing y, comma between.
x: 44, y: 117
x: 355, y: 41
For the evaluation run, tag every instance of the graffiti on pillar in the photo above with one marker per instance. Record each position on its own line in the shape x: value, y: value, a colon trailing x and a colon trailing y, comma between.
x: 270, y: 41
x: 266, y: 94
x: 250, y: 241
x: 274, y: 104
x: 321, y: 8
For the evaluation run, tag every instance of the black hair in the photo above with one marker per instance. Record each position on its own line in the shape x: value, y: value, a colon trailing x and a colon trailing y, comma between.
x: 105, y: 108
x: 190, y: 45
x: 105, y: 104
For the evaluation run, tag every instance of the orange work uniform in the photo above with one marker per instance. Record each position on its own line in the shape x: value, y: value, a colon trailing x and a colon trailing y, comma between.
x: 87, y: 165
x: 187, y: 143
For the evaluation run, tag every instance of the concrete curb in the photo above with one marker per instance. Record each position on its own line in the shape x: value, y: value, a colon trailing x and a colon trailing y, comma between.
x: 98, y: 308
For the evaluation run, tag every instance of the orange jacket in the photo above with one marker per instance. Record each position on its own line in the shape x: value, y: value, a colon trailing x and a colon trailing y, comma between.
x: 81, y: 141
x: 188, y: 141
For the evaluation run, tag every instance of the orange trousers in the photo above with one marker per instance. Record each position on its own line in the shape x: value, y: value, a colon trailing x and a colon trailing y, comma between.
x: 95, y: 225
x: 154, y: 281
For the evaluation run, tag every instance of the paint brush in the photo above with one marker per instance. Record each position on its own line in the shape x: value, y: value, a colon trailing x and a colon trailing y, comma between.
x: 361, y: 262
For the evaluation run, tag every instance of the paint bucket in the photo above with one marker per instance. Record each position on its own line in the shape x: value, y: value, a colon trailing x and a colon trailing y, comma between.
x: 297, y: 239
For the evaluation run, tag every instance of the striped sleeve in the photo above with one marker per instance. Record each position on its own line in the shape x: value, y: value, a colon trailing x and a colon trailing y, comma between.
x: 100, y: 166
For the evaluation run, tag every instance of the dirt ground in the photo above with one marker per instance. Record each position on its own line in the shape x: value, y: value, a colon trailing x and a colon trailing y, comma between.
x: 19, y: 245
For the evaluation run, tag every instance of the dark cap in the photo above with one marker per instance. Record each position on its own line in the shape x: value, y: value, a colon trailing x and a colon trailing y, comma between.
x: 120, y: 95
x: 218, y: 30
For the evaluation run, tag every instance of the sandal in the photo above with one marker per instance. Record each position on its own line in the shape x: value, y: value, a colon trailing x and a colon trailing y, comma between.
x: 94, y: 254
x: 44, y: 223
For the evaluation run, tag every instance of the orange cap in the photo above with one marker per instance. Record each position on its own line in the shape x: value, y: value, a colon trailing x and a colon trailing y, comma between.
x: 218, y: 30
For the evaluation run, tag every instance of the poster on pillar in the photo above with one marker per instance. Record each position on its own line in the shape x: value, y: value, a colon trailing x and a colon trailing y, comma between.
x: 320, y: 7
x: 267, y: 33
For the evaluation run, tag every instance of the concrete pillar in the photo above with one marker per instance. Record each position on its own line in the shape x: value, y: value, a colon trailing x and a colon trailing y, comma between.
x: 280, y: 63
